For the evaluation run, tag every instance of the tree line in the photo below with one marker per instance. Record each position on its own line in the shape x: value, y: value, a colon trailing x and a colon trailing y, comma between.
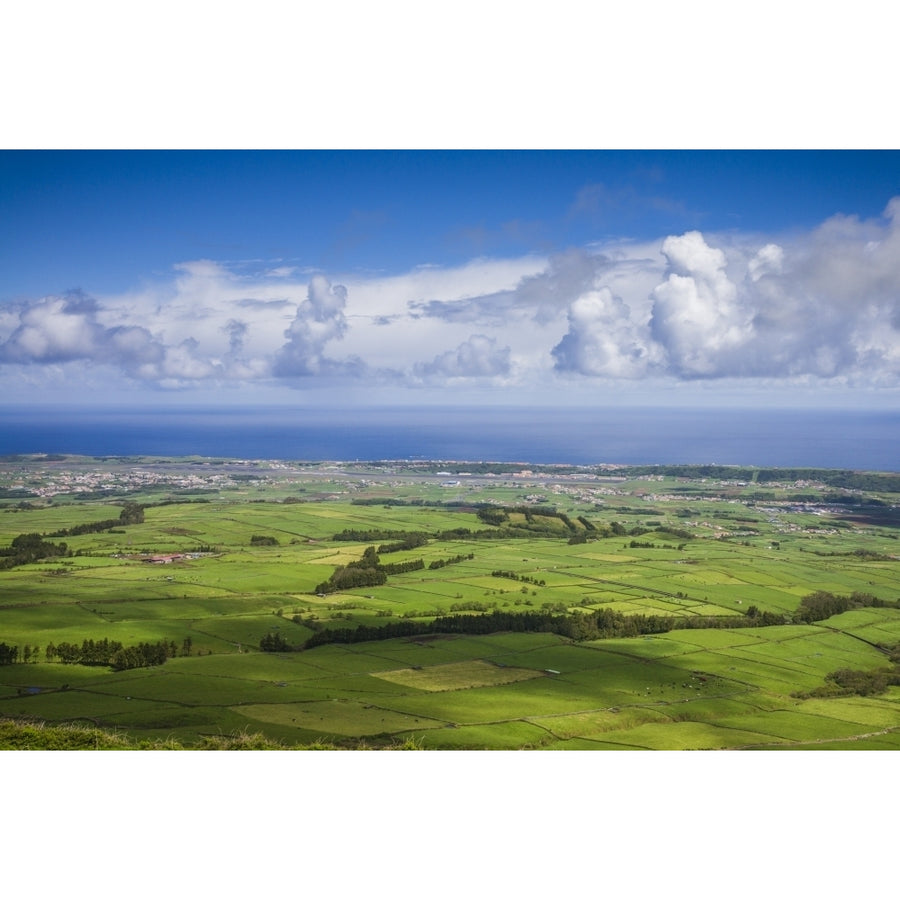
x: 823, y: 605
x: 368, y: 571
x: 368, y: 535
x: 102, y: 652
x: 415, y: 540
x: 450, y: 560
x: 590, y: 625
x: 841, y: 478
x: 131, y: 514
x: 28, y: 548
x: 364, y: 572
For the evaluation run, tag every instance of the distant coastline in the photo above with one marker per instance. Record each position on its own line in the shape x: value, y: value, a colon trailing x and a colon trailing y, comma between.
x: 862, y: 440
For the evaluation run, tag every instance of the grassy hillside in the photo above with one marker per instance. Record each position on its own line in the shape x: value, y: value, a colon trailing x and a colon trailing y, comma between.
x: 251, y: 562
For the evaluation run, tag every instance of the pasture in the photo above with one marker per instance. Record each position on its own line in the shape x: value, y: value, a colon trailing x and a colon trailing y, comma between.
x: 249, y: 557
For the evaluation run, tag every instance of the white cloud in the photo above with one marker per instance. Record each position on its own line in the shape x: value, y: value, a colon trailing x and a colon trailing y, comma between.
x: 769, y: 259
x: 478, y: 357
x: 540, y: 296
x: 823, y: 305
x: 55, y: 329
x: 691, y: 307
x: 66, y: 329
x: 320, y: 320
x: 696, y: 317
x: 603, y: 340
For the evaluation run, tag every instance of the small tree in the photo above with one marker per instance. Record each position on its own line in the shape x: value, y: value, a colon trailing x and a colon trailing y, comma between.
x: 273, y: 643
x: 132, y: 514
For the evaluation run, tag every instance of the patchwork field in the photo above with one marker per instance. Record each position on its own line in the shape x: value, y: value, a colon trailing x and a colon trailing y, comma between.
x: 667, y: 621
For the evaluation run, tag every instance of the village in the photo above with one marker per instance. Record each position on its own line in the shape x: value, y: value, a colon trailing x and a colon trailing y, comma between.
x: 40, y: 477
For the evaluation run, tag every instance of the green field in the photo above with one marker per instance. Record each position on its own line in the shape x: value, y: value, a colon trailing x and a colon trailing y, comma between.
x: 252, y: 557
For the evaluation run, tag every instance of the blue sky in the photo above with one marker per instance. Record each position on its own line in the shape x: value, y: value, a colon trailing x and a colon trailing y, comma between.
x: 106, y: 221
x: 481, y: 277
x: 585, y: 277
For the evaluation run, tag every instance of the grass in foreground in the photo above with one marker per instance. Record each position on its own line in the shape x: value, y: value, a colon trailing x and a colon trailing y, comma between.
x: 16, y: 734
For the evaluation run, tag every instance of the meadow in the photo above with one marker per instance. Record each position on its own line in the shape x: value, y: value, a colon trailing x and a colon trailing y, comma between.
x: 254, y: 545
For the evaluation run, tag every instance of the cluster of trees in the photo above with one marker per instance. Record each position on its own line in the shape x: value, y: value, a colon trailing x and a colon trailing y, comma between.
x: 88, y: 653
x: 576, y: 626
x: 105, y: 652
x: 544, y: 521
x: 472, y: 606
x: 841, y: 478
x: 412, y: 565
x: 18, y: 494
x: 391, y: 501
x: 86, y: 528
x: 606, y: 623
x: 822, y: 605
x: 493, y: 516
x: 719, y: 473
x: 27, y: 548
x: 764, y: 617
x: 535, y: 518
x: 536, y: 525
x: 849, y: 500
x: 410, y: 542
x: 131, y: 514
x: 31, y: 654
x: 579, y: 626
x: 143, y: 655
x: 872, y: 555
x: 457, y: 505
x: 864, y: 683
x: 274, y: 643
x: 502, y: 573
x: 365, y: 572
x: 649, y: 545
x: 854, y: 681
x: 370, y: 571
x: 263, y: 540
x: 440, y: 563
x: 375, y: 534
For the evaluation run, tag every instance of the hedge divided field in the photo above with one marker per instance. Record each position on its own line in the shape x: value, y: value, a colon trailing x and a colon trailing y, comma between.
x: 245, y: 573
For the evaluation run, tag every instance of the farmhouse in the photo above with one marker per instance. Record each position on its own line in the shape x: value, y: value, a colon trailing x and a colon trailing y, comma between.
x: 163, y: 559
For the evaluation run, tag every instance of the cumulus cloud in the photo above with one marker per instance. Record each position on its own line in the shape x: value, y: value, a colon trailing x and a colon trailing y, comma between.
x: 823, y: 305
x: 55, y: 329
x: 695, y: 306
x: 539, y: 296
x: 65, y: 329
x: 320, y: 320
x: 768, y: 260
x: 478, y: 357
x: 603, y: 340
x: 236, y: 331
x: 68, y: 329
x: 697, y: 317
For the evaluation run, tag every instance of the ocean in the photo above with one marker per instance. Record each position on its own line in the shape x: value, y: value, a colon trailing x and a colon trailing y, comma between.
x: 636, y: 436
